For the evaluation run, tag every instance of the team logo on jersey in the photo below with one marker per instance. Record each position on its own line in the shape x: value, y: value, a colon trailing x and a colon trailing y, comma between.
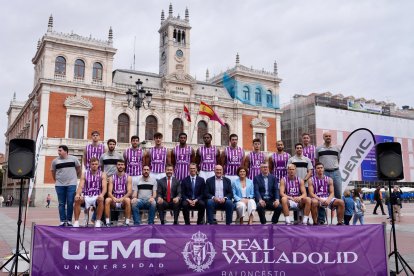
x: 199, y: 252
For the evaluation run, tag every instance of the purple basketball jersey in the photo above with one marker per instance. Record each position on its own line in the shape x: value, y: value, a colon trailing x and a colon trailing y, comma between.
x: 321, y: 186
x: 93, y: 183
x: 133, y: 159
x: 280, y: 164
x: 208, y: 158
x: 234, y: 159
x: 92, y: 151
x: 309, y: 152
x: 119, y: 183
x: 158, y: 159
x: 256, y: 159
x: 182, y: 162
x: 292, y: 187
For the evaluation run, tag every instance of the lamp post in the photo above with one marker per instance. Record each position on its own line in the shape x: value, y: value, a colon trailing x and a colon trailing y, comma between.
x: 139, y: 98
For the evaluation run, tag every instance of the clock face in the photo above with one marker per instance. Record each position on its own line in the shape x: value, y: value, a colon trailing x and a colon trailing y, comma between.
x: 179, y: 53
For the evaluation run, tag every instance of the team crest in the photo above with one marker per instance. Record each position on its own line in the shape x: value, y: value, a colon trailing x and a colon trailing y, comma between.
x: 199, y: 252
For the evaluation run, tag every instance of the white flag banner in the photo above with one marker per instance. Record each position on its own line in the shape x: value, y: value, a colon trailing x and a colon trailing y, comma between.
x: 39, y: 145
x: 356, y: 147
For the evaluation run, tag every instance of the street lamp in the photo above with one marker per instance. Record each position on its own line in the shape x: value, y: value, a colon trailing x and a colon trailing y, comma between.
x: 139, y: 98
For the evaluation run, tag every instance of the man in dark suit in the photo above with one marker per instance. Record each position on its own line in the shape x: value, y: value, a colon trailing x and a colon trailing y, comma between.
x: 192, y: 190
x: 266, y: 192
x: 219, y: 194
x: 168, y: 194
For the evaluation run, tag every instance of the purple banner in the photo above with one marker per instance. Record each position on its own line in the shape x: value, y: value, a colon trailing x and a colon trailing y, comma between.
x: 256, y: 250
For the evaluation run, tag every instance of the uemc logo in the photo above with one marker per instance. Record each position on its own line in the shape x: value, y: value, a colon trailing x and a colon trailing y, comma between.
x: 103, y: 250
x: 198, y: 253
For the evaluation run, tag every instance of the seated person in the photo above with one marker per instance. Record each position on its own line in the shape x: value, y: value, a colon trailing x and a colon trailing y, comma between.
x: 91, y: 191
x: 168, y: 194
x: 293, y: 194
x: 119, y: 191
x: 321, y: 190
x: 267, y: 194
x: 144, y: 195
x: 243, y: 191
x: 192, y: 191
x: 219, y: 194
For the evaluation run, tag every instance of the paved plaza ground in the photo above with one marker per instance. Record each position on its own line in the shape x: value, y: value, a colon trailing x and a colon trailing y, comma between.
x: 49, y: 216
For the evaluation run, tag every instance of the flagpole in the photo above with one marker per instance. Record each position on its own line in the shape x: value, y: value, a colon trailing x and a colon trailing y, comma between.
x: 195, y: 125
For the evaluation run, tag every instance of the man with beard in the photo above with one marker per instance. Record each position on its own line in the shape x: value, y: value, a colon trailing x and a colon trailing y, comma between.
x: 91, y: 191
x: 168, y: 194
x: 109, y: 159
x: 207, y: 157
x: 181, y: 157
x: 156, y: 157
x: 133, y: 159
x: 278, y: 161
x: 94, y: 149
x: 232, y: 158
x: 255, y: 159
x: 143, y: 197
x: 119, y: 192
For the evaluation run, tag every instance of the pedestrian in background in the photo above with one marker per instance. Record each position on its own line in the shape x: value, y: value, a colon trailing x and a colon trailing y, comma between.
x: 349, y: 206
x: 48, y: 199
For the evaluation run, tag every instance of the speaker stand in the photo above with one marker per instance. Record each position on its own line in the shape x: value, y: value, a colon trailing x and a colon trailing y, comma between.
x: 16, y: 255
x: 397, y: 255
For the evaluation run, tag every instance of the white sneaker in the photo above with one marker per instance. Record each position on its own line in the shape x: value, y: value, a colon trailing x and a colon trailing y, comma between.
x: 98, y: 223
x: 76, y: 224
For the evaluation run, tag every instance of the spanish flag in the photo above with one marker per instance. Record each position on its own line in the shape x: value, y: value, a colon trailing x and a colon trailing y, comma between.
x: 206, y: 110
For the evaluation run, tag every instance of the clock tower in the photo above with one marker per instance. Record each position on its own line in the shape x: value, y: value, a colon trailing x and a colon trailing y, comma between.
x: 174, y: 44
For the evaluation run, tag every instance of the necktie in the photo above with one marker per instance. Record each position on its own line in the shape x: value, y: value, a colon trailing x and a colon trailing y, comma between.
x: 168, y: 190
x: 193, y: 185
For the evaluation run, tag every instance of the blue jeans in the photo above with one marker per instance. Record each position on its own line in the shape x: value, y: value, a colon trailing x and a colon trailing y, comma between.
x: 66, y: 198
x: 358, y: 217
x: 389, y: 209
x: 143, y: 204
x: 227, y: 206
x: 337, y: 182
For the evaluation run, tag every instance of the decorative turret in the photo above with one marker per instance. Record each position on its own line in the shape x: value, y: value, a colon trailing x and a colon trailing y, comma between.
x: 110, y: 35
x: 187, y: 15
x: 170, y: 11
x: 162, y: 16
x: 275, y: 68
x: 237, y: 59
x: 38, y: 44
x: 207, y: 75
x: 50, y: 24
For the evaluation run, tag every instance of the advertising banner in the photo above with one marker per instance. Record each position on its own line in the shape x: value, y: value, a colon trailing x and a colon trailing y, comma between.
x: 369, y: 165
x: 210, y: 250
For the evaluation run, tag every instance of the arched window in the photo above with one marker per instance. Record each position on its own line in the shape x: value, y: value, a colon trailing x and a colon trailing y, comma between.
x: 183, y: 37
x: 269, y: 97
x: 79, y: 69
x: 175, y: 35
x: 177, y: 128
x: 123, y: 128
x: 246, y: 93
x: 60, y: 66
x: 97, y: 71
x: 258, y: 95
x: 201, y: 130
x: 151, y: 125
x: 225, y: 134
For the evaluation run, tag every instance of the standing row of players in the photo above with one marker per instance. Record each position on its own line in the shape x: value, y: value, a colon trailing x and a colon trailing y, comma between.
x: 207, y: 157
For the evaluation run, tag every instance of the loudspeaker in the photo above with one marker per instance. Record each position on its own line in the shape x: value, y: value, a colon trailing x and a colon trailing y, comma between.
x: 21, y: 160
x: 389, y: 161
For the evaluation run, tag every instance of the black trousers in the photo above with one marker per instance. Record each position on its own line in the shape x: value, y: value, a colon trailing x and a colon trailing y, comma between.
x: 168, y: 206
x: 379, y: 203
x: 200, y: 206
x: 269, y: 206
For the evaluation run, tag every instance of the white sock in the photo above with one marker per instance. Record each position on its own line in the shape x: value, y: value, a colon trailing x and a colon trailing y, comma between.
x: 127, y: 221
x: 305, y: 219
x: 287, y: 219
x: 107, y: 220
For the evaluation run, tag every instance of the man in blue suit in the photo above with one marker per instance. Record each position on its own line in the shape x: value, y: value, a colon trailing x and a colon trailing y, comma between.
x: 192, y: 191
x: 266, y: 192
x: 219, y: 195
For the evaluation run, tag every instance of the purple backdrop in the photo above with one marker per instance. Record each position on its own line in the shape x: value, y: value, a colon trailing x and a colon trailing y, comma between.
x: 210, y: 250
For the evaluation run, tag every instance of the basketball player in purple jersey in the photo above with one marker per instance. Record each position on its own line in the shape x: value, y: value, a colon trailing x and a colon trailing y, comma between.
x: 308, y: 149
x: 181, y: 157
x: 94, y: 149
x: 91, y: 191
x: 207, y: 157
x: 293, y: 194
x: 156, y: 157
x: 232, y: 158
x: 119, y: 193
x: 254, y: 159
x: 133, y: 159
x: 321, y: 190
x: 278, y: 161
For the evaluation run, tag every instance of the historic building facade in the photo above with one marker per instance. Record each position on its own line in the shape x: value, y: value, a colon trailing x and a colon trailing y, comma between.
x: 76, y: 90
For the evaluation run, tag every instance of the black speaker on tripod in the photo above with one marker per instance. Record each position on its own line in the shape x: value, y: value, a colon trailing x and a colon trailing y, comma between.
x: 389, y: 161
x: 390, y: 168
x: 21, y: 161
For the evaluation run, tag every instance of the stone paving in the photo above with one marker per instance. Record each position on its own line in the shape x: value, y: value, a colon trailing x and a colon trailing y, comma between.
x: 49, y: 216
